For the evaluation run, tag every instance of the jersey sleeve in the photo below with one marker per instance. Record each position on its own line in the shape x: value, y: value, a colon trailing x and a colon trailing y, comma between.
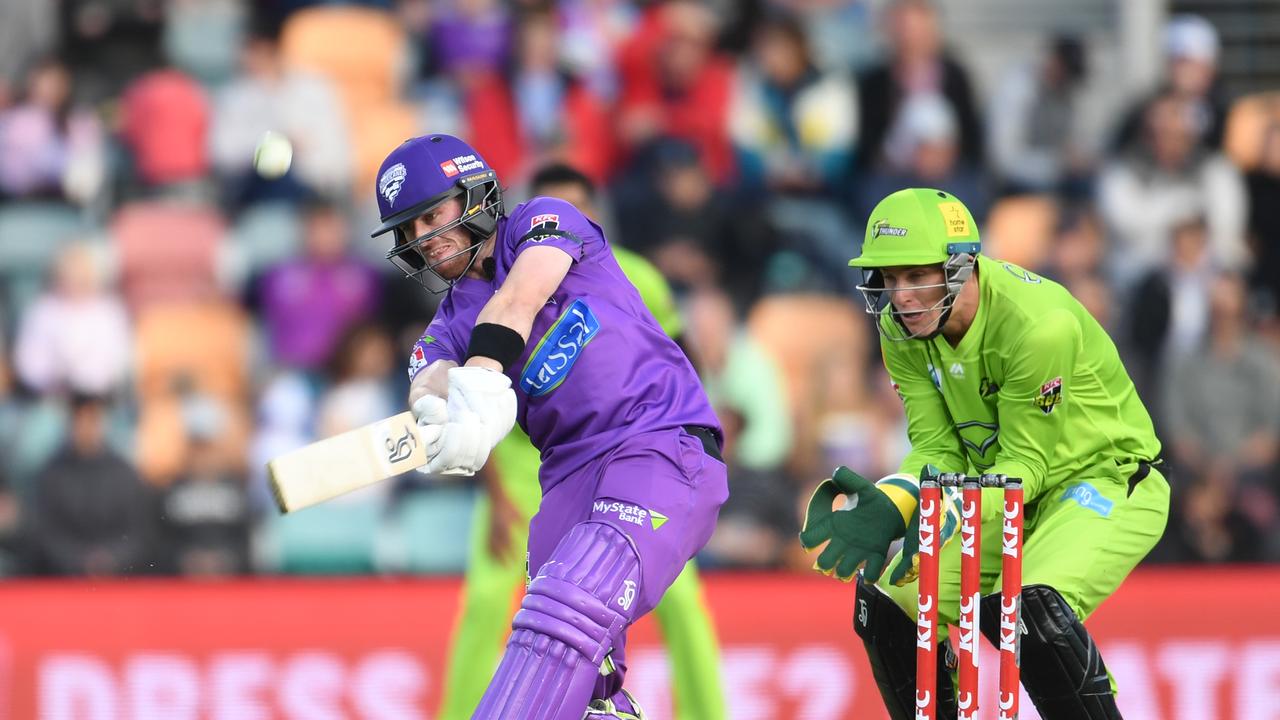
x: 930, y: 429
x: 555, y: 223
x: 1032, y: 401
x: 436, y: 343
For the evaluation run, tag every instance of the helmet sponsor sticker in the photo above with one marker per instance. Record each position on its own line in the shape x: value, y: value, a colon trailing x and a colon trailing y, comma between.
x: 882, y: 227
x: 955, y: 219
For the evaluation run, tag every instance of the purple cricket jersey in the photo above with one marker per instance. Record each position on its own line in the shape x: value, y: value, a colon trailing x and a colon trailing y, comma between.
x: 597, y: 367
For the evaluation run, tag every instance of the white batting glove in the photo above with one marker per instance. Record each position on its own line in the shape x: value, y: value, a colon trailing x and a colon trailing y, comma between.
x: 480, y: 411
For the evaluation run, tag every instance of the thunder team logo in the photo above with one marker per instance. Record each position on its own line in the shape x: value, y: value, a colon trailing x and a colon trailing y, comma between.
x: 391, y: 181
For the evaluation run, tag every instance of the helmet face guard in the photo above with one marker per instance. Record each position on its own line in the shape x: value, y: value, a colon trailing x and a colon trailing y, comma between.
x: 482, y: 206
x: 956, y: 271
x: 419, y: 175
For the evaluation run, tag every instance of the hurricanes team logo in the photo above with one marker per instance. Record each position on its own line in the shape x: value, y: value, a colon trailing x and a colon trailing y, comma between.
x: 391, y: 181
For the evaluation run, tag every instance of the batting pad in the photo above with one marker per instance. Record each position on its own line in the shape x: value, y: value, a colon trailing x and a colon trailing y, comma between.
x: 575, y: 609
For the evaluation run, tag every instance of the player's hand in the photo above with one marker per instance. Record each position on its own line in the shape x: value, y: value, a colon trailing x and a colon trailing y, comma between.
x: 857, y: 535
x: 487, y: 394
x: 480, y: 411
x: 907, y: 569
x: 432, y: 413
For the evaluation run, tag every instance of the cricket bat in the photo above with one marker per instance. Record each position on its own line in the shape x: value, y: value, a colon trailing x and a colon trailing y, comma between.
x: 354, y: 459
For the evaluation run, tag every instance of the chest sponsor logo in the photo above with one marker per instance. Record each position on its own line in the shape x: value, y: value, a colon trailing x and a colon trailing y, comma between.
x: 391, y: 181
x: 935, y: 376
x: 1050, y: 395
x: 559, y: 349
x: 980, y: 438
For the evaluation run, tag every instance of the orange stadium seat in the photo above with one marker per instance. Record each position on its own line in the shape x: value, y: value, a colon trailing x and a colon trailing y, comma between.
x: 362, y: 50
x: 820, y: 344
x: 364, y: 53
x: 375, y: 131
x: 1248, y: 121
x: 168, y: 251
x: 203, y: 346
x: 1020, y: 230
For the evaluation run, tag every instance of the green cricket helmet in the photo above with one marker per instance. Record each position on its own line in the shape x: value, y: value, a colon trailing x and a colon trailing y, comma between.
x: 913, y: 227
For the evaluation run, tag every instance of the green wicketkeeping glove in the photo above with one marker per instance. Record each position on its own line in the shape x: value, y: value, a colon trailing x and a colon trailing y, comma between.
x: 908, y: 567
x: 858, y: 534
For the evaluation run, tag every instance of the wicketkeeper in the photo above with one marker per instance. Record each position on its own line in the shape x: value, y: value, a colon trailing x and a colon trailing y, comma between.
x: 1000, y: 371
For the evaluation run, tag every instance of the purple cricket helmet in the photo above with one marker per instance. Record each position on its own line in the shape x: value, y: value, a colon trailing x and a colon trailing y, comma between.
x: 422, y: 173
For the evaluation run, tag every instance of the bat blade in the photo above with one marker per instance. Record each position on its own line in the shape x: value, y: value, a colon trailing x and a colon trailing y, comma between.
x: 338, y: 465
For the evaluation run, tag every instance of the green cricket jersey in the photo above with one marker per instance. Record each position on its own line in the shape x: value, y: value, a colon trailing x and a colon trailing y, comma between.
x: 1034, y: 390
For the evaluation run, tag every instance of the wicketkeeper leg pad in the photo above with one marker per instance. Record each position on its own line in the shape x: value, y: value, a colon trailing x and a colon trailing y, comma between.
x: 889, y: 636
x: 576, y: 608
x: 1062, y: 670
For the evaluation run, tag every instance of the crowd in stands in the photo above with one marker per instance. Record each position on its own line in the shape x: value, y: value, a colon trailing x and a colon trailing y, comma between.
x: 169, y: 319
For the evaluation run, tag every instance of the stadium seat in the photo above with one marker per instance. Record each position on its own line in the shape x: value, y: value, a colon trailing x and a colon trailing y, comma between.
x: 820, y: 344
x: 265, y: 234
x: 202, y: 346
x: 168, y: 252
x: 376, y: 131
x: 338, y: 537
x: 364, y: 51
x: 1248, y: 121
x: 31, y: 236
x: 203, y: 38
x: 1020, y: 230
x: 432, y: 529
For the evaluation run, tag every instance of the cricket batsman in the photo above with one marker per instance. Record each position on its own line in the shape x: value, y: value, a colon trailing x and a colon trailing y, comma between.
x: 500, y: 532
x: 1001, y: 371
x: 540, y: 326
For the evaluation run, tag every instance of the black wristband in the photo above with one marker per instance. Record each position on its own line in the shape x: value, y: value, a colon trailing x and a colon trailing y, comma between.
x: 497, y: 342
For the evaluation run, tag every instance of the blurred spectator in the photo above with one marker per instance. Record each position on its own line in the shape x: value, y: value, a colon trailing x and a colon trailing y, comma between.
x: 675, y: 84
x: 285, y: 421
x: 1206, y: 526
x: 109, y: 42
x: 927, y: 136
x: 790, y: 122
x: 1191, y: 50
x: 362, y: 392
x: 537, y: 111
x: 164, y: 119
x: 1264, y: 219
x: 470, y: 37
x: 1078, y: 247
x: 29, y: 31
x: 307, y: 303
x: 917, y: 65
x: 592, y: 32
x: 1161, y: 183
x: 1038, y: 138
x: 1222, y: 408
x: 48, y: 148
x: 90, y: 513
x: 1169, y: 310
x: 10, y: 522
x: 269, y: 95
x: 77, y: 335
x: 740, y: 378
x: 204, y: 517
x: 693, y: 231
